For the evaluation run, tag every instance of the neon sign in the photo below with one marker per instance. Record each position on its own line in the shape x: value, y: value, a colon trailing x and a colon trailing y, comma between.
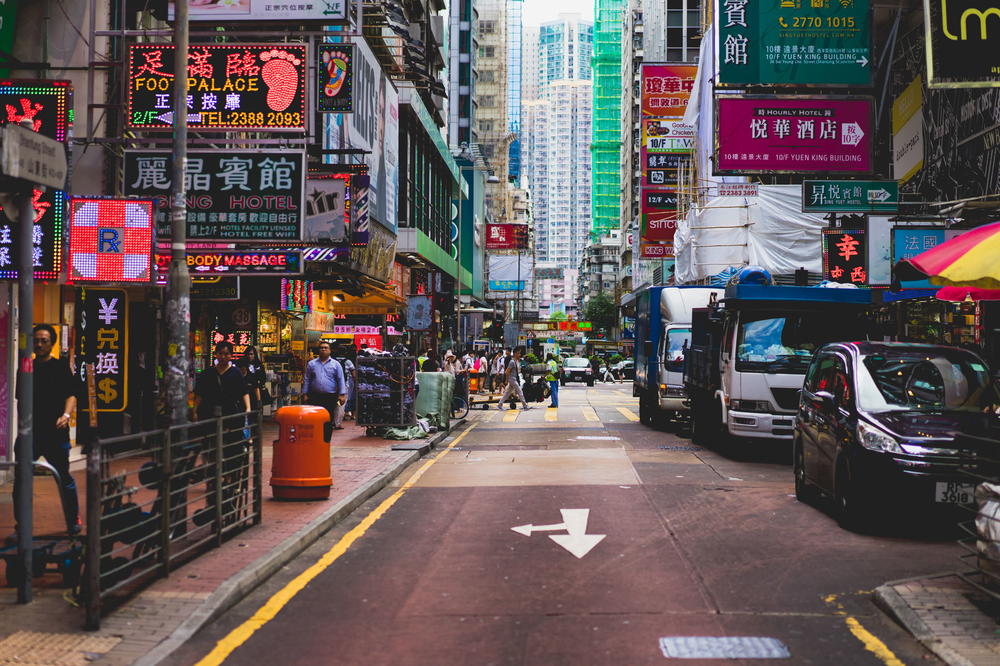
x: 230, y: 87
x: 296, y: 295
x: 110, y: 240
x: 235, y: 262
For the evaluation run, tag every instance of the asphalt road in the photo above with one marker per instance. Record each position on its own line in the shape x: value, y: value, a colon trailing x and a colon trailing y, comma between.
x: 661, y: 540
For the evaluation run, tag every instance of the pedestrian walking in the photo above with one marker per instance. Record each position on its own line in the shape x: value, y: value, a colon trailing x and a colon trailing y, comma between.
x: 54, y: 405
x: 552, y: 377
x: 500, y: 362
x: 513, y: 376
x: 221, y: 390
x: 256, y: 378
x: 325, y: 387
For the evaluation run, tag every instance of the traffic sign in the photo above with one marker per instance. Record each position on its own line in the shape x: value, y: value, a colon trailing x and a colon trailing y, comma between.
x: 33, y: 157
x: 850, y: 196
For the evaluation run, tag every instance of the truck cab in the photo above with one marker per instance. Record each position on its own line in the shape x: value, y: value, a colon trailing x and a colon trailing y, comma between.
x: 750, y: 352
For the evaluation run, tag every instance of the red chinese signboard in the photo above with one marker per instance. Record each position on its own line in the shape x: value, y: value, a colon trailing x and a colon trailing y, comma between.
x: 240, y: 340
x: 506, y: 237
x: 373, y: 341
x: 659, y: 216
x: 845, y: 253
x: 230, y: 87
x: 110, y: 240
x: 666, y: 89
x: 794, y: 135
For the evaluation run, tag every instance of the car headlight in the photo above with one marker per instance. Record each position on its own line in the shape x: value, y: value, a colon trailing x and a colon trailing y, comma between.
x: 875, y: 439
x: 760, y: 406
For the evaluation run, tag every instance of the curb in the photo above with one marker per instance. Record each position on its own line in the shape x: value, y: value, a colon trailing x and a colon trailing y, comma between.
x: 893, y: 605
x: 238, y: 586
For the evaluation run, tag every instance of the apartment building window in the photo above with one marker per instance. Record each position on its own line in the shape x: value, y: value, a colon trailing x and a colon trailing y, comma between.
x: 487, y: 27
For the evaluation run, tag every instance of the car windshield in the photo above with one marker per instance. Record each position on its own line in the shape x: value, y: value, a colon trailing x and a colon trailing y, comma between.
x: 678, y: 339
x: 787, y: 344
x: 577, y: 363
x: 925, y: 380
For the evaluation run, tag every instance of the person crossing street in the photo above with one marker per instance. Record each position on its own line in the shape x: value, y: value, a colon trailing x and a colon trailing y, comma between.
x: 552, y: 377
x: 513, y: 375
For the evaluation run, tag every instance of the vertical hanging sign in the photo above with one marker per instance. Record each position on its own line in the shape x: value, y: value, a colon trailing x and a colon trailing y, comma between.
x: 845, y: 253
x: 334, y: 78
x: 102, y: 320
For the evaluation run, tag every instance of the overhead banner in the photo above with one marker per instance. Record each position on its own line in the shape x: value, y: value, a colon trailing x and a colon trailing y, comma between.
x: 334, y: 78
x: 845, y: 256
x: 230, y: 87
x: 268, y: 11
x: 110, y: 240
x: 232, y: 195
x: 908, y: 131
x: 102, y: 340
x: 789, y: 134
x: 665, y: 88
x: 963, y: 43
x: 794, y: 42
x: 506, y: 236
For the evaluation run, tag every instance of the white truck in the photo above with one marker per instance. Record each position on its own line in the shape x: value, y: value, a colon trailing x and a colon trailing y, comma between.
x: 750, y: 351
x: 663, y: 333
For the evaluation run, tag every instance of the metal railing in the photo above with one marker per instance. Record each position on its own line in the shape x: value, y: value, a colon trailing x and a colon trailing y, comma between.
x: 157, y: 499
x: 981, y: 545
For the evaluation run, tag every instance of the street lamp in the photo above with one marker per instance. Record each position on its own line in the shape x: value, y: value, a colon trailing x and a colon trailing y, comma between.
x: 465, y: 154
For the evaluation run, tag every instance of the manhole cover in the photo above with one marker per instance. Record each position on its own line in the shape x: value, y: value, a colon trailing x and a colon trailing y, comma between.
x: 681, y: 448
x: 723, y: 647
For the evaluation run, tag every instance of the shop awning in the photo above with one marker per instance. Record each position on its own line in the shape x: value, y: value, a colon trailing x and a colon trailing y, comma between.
x: 377, y: 300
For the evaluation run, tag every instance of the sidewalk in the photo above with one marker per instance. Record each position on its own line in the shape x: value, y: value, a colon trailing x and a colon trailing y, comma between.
x: 952, y: 618
x: 170, y: 610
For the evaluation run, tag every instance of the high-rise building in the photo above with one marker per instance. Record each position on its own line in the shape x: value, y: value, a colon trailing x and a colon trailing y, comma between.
x: 463, y: 51
x: 529, y: 63
x: 606, y: 132
x: 491, y: 118
x: 565, y: 47
x: 514, y: 35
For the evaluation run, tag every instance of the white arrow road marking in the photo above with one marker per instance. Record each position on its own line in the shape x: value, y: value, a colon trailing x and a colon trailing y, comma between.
x: 576, y: 541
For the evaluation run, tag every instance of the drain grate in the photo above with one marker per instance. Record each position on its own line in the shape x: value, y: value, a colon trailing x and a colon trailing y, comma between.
x: 723, y: 647
x: 681, y: 448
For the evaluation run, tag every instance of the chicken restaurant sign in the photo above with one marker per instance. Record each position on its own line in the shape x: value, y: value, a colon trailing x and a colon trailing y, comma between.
x: 963, y: 43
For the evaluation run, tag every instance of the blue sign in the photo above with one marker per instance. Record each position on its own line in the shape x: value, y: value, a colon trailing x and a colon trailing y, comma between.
x: 506, y: 285
x: 911, y: 241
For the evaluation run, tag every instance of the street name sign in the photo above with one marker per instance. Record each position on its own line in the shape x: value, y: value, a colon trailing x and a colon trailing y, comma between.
x: 850, y: 196
x: 33, y: 157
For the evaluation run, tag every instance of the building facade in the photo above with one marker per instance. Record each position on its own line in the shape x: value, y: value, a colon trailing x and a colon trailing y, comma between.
x: 606, y: 134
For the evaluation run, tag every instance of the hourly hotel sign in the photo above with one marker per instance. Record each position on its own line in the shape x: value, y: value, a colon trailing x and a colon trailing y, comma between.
x: 793, y: 135
x: 231, y: 196
x: 963, y: 43
x: 230, y: 87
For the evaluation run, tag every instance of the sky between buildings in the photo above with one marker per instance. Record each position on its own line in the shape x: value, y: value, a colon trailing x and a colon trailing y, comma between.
x: 537, y: 12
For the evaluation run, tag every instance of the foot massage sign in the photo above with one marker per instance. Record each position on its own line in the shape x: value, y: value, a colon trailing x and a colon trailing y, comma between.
x: 230, y: 87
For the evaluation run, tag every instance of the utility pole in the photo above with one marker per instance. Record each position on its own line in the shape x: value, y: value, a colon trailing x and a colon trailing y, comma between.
x: 178, y: 314
x: 24, y: 472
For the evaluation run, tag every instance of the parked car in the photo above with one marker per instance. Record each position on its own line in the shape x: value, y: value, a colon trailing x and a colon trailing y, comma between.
x: 885, y: 425
x: 625, y: 368
x: 577, y: 369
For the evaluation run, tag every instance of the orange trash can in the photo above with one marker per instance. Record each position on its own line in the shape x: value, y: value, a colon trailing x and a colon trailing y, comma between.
x: 300, y: 468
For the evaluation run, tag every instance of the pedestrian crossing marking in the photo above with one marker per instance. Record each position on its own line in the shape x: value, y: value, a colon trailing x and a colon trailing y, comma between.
x: 620, y: 392
x: 511, y: 416
x: 590, y: 414
x: 628, y: 413
x: 490, y: 415
x: 552, y: 414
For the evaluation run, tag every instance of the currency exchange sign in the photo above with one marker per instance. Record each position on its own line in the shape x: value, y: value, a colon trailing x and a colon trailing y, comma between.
x: 102, y: 322
x: 794, y: 42
x: 794, y: 135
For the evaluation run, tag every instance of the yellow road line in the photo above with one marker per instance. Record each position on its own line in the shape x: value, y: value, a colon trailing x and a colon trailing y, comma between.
x: 511, y: 416
x: 551, y: 414
x: 590, y: 414
x: 872, y: 643
x: 273, y: 606
x: 628, y: 413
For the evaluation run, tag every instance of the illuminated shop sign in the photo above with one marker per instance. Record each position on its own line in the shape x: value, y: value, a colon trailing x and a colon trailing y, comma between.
x: 230, y: 87
x: 334, y: 78
x: 296, y: 295
x: 236, y: 262
x: 110, y: 240
x: 102, y: 344
x: 236, y: 195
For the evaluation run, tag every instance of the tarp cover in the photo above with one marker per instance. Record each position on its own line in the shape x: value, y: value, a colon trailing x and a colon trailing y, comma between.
x: 434, y: 399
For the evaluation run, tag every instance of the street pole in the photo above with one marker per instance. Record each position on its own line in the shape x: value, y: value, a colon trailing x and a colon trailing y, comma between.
x: 25, y: 391
x: 458, y: 306
x: 178, y: 310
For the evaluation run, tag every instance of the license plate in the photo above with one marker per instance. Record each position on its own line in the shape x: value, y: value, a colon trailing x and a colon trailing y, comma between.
x: 954, y: 493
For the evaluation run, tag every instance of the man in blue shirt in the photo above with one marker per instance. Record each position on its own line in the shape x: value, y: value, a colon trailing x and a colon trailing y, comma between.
x: 325, y: 386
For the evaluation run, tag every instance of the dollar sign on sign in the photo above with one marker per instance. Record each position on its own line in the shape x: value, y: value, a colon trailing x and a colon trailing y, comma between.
x: 107, y: 389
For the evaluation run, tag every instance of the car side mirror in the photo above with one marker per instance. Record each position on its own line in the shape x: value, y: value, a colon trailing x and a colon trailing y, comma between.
x: 825, y: 398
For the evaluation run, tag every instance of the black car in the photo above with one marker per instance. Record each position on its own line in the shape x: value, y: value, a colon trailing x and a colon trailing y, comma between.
x: 577, y: 369
x: 884, y: 424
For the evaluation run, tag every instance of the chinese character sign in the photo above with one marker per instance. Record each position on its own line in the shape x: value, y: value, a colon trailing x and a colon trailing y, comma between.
x: 665, y: 89
x: 909, y: 242
x: 296, y: 295
x: 304, y: 11
x: 334, y: 78
x: 784, y: 134
x: 48, y: 105
x: 102, y: 322
x: 46, y: 237
x: 230, y: 87
x: 845, y: 256
x: 789, y: 42
x: 506, y: 237
x: 240, y: 340
x: 110, y: 240
x: 231, y: 196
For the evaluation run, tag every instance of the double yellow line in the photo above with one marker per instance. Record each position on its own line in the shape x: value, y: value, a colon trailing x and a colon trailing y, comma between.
x: 241, y: 634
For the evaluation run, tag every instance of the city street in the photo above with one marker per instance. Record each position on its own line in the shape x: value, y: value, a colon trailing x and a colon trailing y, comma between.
x: 626, y: 536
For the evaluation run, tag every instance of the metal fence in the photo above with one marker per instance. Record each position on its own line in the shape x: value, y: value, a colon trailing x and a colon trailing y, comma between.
x: 157, y: 499
x: 981, y: 543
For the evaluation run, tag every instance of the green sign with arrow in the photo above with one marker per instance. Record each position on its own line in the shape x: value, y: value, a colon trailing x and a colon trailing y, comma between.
x: 794, y: 42
x: 850, y: 196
